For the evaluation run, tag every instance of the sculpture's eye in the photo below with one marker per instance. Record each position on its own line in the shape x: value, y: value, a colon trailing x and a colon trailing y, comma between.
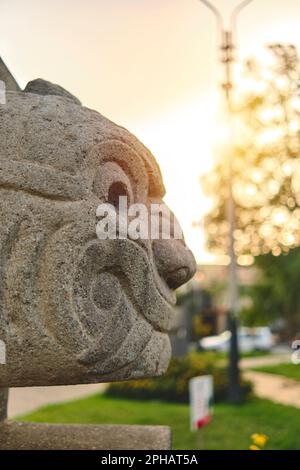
x: 111, y: 182
x: 117, y: 190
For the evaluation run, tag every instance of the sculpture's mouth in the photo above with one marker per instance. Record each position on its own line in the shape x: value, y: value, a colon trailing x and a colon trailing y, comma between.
x: 138, y: 311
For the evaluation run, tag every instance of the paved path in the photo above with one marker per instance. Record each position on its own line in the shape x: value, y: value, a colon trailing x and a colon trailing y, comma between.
x: 272, y: 360
x: 25, y: 400
x: 252, y: 362
x: 273, y: 387
x: 276, y: 388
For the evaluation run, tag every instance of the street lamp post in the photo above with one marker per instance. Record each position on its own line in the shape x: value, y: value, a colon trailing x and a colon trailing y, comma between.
x: 228, y: 40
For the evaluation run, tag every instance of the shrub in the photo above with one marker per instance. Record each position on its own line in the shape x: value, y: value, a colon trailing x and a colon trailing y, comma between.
x: 173, y: 386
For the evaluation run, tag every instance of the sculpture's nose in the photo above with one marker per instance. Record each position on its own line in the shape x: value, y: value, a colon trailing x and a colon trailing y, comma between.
x: 175, y: 262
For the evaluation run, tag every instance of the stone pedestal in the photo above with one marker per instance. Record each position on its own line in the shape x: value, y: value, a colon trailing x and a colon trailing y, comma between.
x: 31, y: 436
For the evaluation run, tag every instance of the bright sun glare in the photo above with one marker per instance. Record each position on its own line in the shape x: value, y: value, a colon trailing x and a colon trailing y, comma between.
x: 183, y: 141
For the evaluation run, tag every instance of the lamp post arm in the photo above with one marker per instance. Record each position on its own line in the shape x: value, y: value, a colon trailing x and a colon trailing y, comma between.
x: 217, y: 14
x: 235, y: 13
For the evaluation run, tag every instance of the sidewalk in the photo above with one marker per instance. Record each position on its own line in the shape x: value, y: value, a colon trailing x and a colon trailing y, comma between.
x: 273, y: 387
x: 24, y: 400
x: 273, y: 360
x: 276, y: 388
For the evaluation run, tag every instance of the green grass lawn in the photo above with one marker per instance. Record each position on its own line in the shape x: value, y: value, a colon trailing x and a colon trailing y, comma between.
x: 231, y: 427
x: 287, y: 370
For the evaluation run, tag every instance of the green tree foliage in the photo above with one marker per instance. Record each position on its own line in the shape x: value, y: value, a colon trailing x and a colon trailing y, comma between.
x: 276, y: 294
x: 265, y: 152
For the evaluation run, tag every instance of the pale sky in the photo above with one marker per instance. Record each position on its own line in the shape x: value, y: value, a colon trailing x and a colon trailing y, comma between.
x: 149, y: 65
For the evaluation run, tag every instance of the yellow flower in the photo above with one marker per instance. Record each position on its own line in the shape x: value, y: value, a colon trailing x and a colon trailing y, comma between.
x: 253, y: 447
x: 259, y: 439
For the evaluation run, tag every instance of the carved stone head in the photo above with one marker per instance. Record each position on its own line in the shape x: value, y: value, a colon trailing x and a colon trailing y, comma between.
x: 73, y: 308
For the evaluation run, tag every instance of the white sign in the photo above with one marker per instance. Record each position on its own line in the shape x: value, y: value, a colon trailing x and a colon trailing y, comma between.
x: 201, y: 397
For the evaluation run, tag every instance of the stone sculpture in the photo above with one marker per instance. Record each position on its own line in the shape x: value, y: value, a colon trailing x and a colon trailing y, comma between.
x: 73, y: 308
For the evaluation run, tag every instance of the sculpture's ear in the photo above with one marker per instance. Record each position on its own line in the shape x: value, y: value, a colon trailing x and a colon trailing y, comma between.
x: 43, y: 87
x: 7, y: 78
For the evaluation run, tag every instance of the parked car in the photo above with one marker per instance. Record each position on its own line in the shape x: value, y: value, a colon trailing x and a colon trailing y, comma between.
x: 249, y: 339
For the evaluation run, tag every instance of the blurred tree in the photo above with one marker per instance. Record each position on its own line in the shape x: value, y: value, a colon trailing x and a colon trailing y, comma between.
x: 275, y: 294
x: 266, y: 160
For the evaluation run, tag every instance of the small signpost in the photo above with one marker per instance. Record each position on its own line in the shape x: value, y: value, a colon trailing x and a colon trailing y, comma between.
x: 201, y: 398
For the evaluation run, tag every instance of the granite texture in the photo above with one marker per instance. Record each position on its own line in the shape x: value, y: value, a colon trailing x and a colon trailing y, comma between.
x: 73, y: 308
x: 33, y: 436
